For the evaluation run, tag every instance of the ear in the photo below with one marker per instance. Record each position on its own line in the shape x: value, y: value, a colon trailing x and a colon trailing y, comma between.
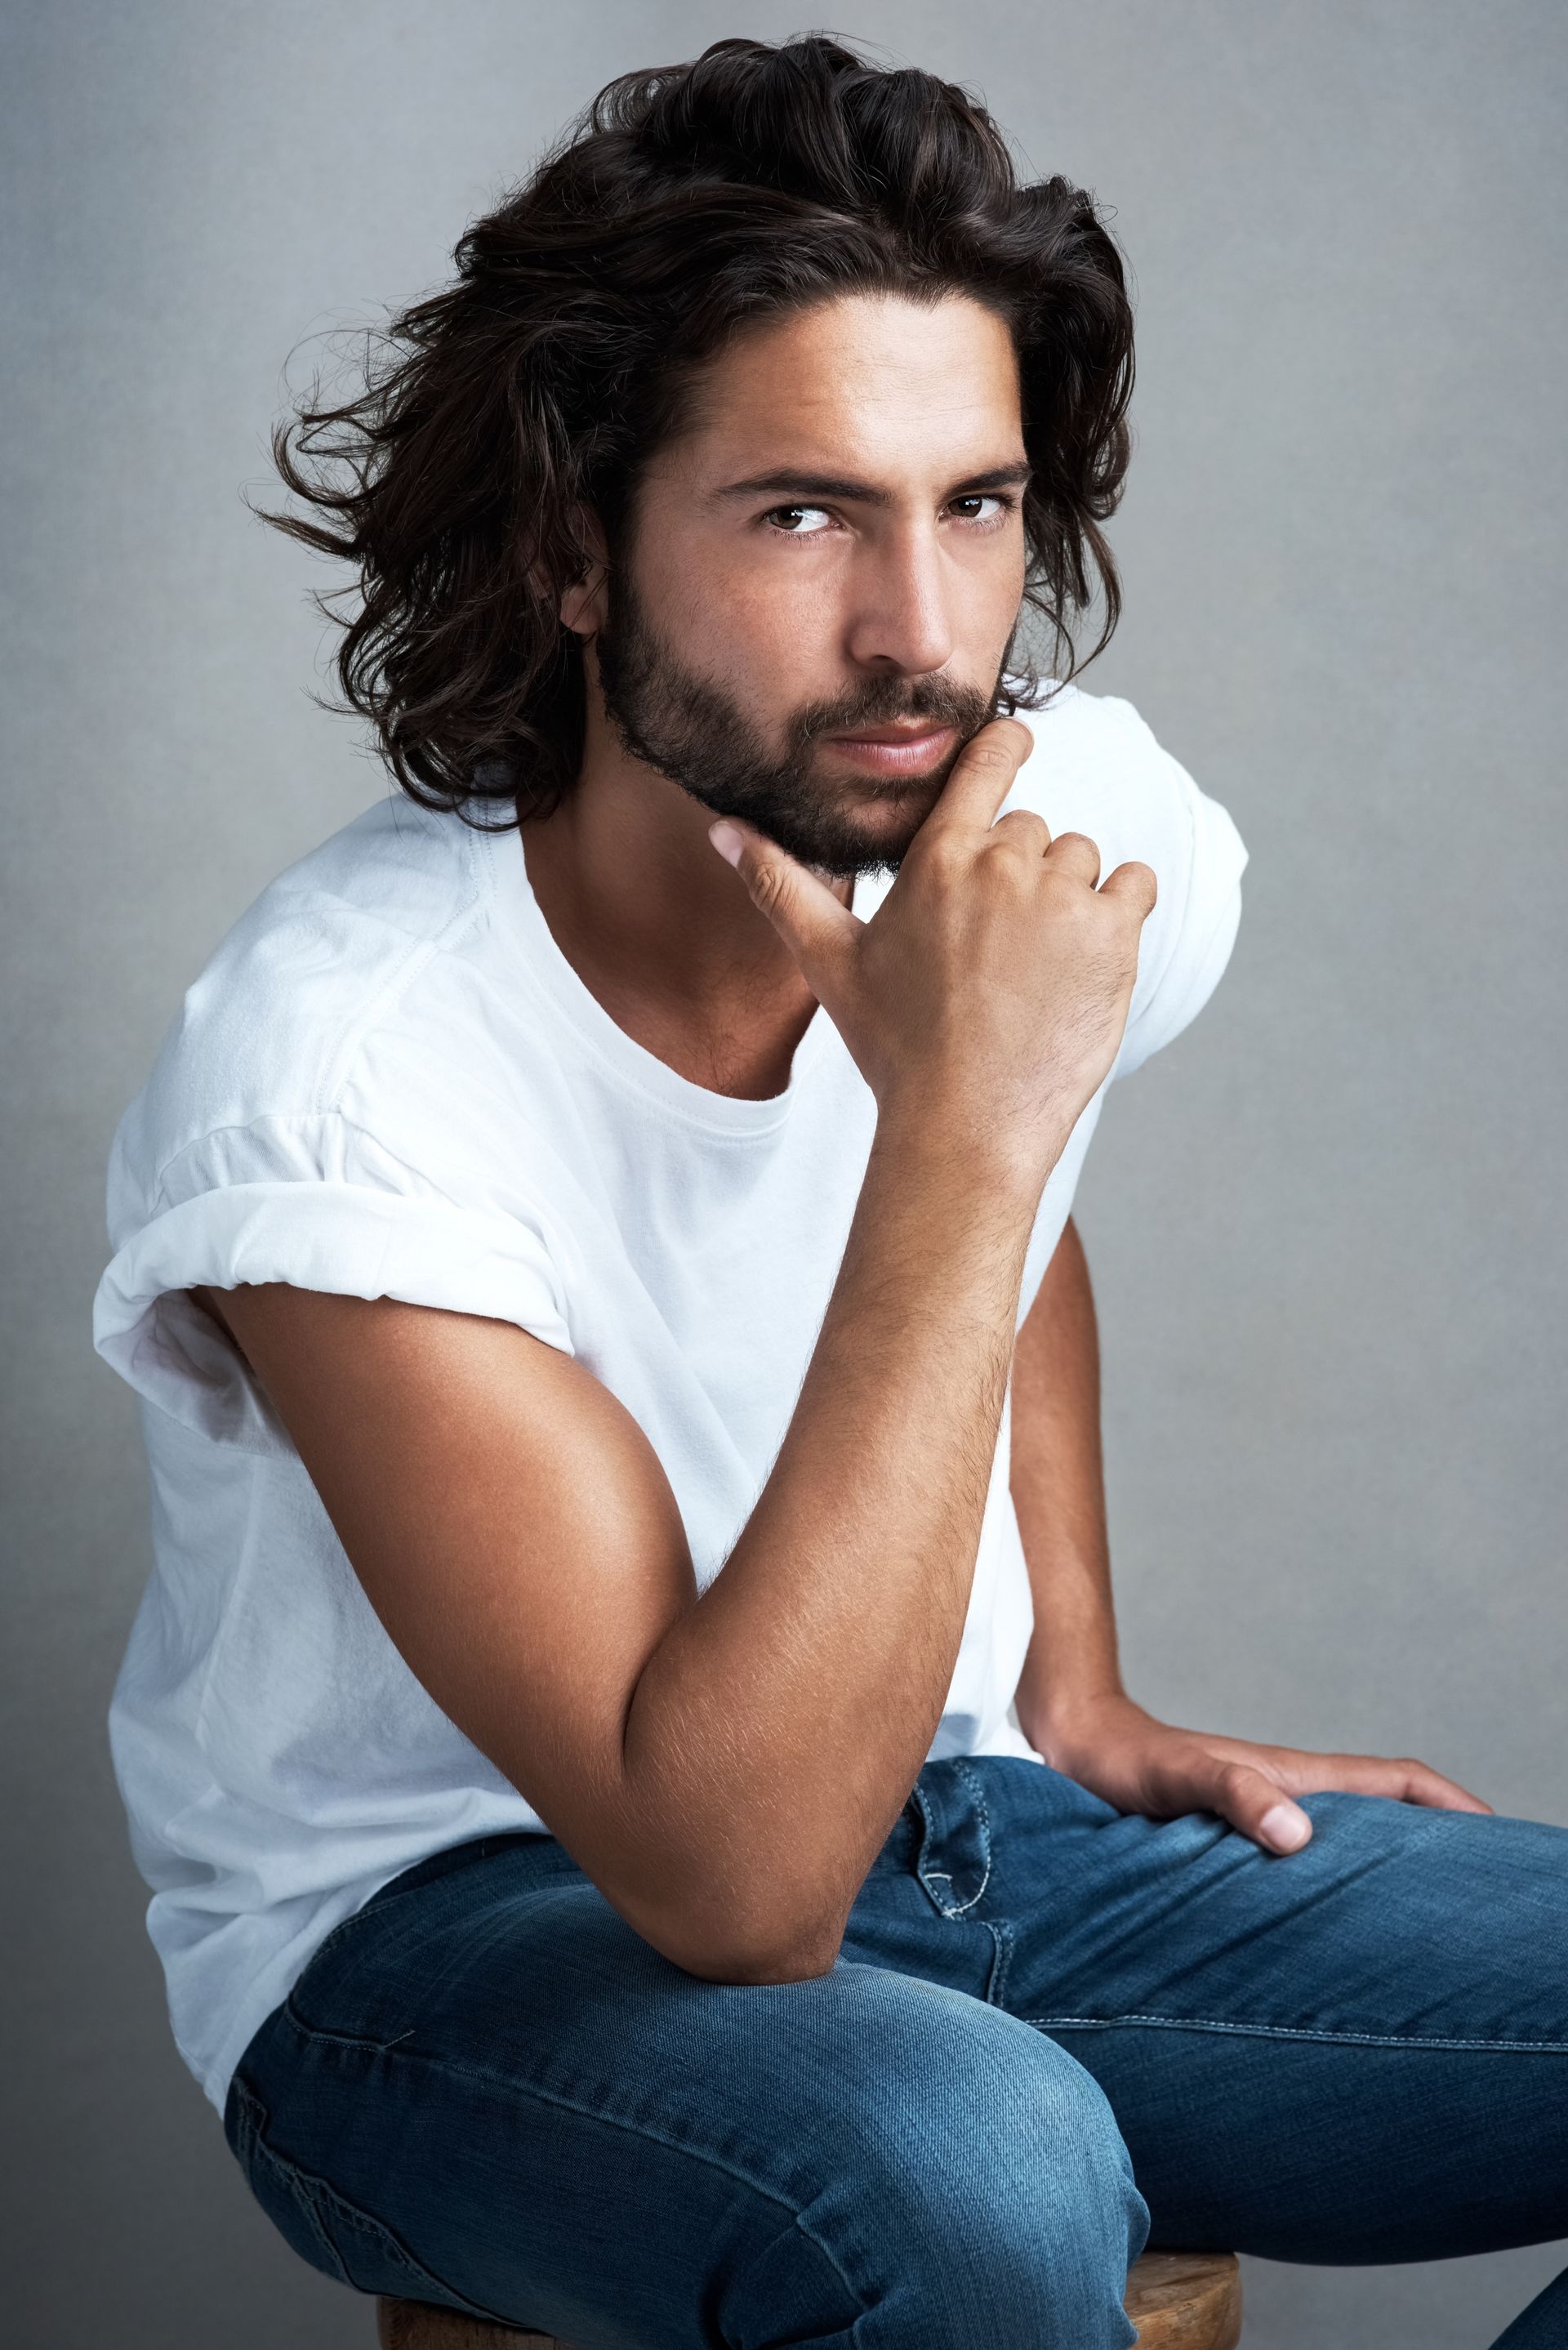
x: 584, y: 606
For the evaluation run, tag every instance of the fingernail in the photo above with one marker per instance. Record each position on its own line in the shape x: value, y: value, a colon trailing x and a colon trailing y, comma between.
x: 1285, y: 1826
x: 726, y: 840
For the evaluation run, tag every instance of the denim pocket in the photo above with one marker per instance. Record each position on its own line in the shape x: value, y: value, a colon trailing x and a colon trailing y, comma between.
x: 333, y: 2234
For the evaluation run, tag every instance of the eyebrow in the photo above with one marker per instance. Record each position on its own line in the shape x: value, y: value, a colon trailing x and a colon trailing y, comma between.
x: 797, y: 485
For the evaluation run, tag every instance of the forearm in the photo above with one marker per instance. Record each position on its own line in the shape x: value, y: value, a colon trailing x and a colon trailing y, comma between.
x: 1058, y: 1491
x: 776, y: 1731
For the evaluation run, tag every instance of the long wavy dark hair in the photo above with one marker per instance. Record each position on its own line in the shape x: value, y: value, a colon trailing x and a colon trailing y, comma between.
x: 686, y: 202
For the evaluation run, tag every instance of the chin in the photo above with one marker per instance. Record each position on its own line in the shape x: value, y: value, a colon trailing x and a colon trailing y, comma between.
x: 866, y: 847
x: 890, y: 822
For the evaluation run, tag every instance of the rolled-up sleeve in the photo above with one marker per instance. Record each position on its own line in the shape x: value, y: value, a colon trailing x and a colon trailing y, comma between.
x: 304, y: 1201
x: 1194, y: 929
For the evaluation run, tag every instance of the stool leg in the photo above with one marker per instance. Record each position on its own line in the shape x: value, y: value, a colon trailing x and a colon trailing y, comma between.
x: 1177, y: 2301
x: 1186, y: 2301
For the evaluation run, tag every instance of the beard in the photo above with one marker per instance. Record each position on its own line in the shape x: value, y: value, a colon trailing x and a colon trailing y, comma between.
x: 691, y: 731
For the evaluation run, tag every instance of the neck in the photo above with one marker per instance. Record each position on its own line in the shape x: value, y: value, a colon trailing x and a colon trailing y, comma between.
x: 662, y: 930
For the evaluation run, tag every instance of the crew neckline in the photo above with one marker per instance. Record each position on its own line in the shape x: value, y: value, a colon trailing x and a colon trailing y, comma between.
x: 641, y: 1070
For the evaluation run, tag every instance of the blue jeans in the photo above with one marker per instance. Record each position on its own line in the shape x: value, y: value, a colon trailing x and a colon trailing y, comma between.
x: 1053, y: 2032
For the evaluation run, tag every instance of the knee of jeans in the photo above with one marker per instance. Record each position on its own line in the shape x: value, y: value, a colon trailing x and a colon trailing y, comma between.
x: 987, y: 2194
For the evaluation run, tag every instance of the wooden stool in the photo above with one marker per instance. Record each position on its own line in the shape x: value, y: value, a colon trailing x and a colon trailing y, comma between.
x: 1177, y: 2301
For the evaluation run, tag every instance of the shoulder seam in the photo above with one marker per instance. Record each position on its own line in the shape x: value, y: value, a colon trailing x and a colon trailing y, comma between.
x: 366, y: 1016
x: 340, y: 1059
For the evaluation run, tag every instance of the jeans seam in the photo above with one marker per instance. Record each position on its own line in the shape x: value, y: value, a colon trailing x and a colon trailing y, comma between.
x: 309, y: 2191
x: 956, y: 1908
x: 610, y: 2121
x: 298, y: 2189
x: 381, y: 1899
x: 1478, y: 2044
x: 1001, y: 1933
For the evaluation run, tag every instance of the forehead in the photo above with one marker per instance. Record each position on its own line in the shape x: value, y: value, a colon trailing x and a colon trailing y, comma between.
x: 868, y: 382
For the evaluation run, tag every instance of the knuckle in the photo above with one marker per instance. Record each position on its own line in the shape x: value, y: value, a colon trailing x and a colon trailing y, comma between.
x: 1001, y: 741
x: 945, y: 858
x: 770, y: 885
x: 1020, y: 838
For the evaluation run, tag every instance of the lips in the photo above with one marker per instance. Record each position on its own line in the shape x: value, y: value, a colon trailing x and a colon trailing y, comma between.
x: 895, y: 734
x: 894, y: 749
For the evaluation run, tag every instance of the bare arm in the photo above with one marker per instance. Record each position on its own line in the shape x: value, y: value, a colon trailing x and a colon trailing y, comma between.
x: 726, y: 1768
x: 1058, y: 1493
x: 1071, y: 1703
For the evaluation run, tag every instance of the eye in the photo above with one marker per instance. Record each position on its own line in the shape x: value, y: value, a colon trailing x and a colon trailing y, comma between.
x: 774, y: 511
x: 997, y: 498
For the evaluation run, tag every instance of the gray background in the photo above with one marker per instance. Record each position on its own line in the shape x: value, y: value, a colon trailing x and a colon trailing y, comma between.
x: 1325, y: 1225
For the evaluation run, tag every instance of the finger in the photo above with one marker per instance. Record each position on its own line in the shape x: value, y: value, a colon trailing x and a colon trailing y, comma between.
x: 1441, y: 1794
x: 1077, y: 854
x: 982, y: 778
x: 1403, y: 1779
x: 1193, y: 1778
x: 1030, y: 831
x: 818, y: 928
x: 1135, y: 885
x: 1259, y: 1806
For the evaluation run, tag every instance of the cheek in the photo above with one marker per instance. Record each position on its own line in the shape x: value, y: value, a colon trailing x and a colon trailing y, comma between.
x: 761, y: 626
x: 987, y: 613
x: 993, y: 576
x: 775, y: 629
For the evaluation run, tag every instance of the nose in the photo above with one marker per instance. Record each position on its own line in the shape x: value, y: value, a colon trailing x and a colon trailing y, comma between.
x: 899, y: 617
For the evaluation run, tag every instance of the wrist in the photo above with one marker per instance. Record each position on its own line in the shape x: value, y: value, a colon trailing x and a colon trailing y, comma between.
x: 937, y: 1134
x: 1061, y: 1723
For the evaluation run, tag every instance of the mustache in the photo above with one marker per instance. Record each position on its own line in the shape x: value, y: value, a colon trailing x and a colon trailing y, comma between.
x: 897, y: 700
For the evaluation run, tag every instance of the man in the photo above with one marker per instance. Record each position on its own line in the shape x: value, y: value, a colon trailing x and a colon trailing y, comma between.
x: 622, y: 1379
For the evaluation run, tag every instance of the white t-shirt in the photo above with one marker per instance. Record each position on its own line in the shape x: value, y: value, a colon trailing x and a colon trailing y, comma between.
x: 389, y: 1081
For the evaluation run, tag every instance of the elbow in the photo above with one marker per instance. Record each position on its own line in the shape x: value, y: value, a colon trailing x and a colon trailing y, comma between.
x: 720, y: 1951
x: 725, y: 1918
x: 799, y: 1962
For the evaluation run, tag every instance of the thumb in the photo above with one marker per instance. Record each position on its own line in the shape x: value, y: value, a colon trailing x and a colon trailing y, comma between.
x: 1135, y: 883
x: 818, y: 928
x: 1260, y: 1807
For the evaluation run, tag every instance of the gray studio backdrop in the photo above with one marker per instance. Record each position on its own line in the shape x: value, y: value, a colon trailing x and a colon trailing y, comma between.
x: 1325, y: 1226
